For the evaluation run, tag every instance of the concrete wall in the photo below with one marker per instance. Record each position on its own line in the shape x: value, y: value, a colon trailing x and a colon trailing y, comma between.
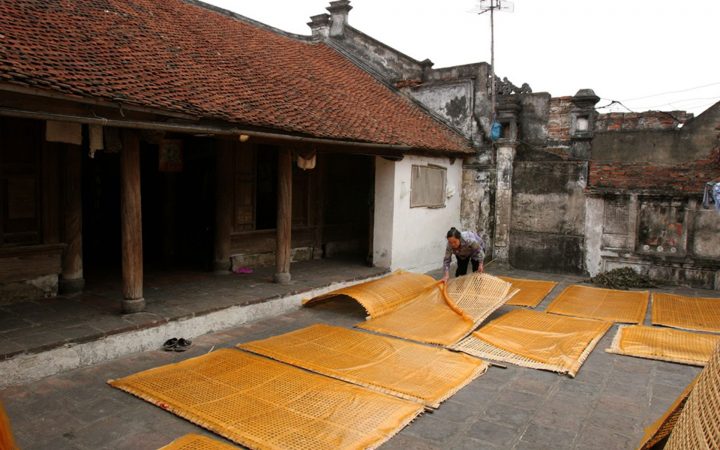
x: 453, y: 101
x: 548, y: 216
x: 669, y: 238
x: 393, y: 64
x: 412, y: 238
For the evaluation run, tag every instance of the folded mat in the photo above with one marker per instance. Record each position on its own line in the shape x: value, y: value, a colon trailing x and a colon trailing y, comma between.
x: 537, y: 340
x: 197, y: 442
x: 602, y: 304
x: 530, y: 292
x: 264, y: 404
x: 393, y: 366
x: 444, y: 314
x: 383, y: 295
x: 698, y: 426
x: 664, y: 344
x: 689, y: 313
x: 661, y: 428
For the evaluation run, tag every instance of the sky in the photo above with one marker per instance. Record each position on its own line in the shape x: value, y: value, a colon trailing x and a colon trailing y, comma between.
x: 643, y: 54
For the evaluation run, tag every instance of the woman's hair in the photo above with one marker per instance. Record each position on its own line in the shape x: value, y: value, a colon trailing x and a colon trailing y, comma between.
x: 453, y: 232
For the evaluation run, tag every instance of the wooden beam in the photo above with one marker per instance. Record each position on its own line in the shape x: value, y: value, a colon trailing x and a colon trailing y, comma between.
x: 72, y: 273
x: 131, y: 223
x: 284, y: 216
x: 224, y: 195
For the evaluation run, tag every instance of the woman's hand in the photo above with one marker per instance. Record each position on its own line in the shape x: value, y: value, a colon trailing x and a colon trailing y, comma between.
x: 481, y: 267
x: 445, y: 278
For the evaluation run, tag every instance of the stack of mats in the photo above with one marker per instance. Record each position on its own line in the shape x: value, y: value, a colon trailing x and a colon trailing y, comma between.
x: 530, y: 292
x: 689, y: 313
x: 536, y: 340
x: 393, y: 366
x: 197, y: 442
x: 265, y: 404
x: 417, y: 307
x: 698, y: 426
x: 603, y: 304
x: 664, y: 344
x: 661, y: 428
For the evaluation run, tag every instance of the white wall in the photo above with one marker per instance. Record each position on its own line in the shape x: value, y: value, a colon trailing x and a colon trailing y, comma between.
x: 412, y: 238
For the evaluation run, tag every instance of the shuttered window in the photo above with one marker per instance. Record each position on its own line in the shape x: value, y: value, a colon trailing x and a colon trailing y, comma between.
x: 427, y: 187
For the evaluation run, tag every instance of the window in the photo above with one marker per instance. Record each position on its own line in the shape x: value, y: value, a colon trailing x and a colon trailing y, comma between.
x: 427, y: 186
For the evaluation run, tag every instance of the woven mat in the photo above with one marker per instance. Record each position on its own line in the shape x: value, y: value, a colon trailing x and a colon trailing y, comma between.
x: 664, y: 344
x: 264, y: 404
x: 383, y: 295
x: 530, y: 292
x: 536, y: 340
x: 698, y: 426
x: 445, y: 314
x: 602, y: 304
x: 393, y: 366
x: 661, y: 428
x: 197, y: 442
x: 428, y: 318
x: 689, y: 313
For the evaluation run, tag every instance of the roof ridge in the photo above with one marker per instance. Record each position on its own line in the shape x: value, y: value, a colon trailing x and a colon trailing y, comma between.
x: 249, y: 21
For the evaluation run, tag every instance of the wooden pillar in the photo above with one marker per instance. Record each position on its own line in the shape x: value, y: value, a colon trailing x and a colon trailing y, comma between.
x: 284, y: 216
x: 131, y: 224
x: 223, y: 205
x: 319, y: 212
x: 72, y: 270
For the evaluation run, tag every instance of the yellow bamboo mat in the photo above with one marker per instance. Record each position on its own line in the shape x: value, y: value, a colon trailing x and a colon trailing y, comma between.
x: 661, y: 428
x: 383, y: 295
x: 478, y: 295
x: 536, y: 340
x: 698, y: 426
x: 197, y: 442
x: 264, y: 404
x: 392, y: 366
x: 530, y: 292
x: 602, y: 304
x: 664, y: 344
x: 444, y: 314
x: 689, y: 313
x: 428, y: 318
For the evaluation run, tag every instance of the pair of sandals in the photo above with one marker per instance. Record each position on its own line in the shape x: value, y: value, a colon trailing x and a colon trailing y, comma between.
x: 176, y: 345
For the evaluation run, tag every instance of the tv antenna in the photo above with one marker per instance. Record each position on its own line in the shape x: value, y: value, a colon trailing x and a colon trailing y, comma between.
x: 490, y: 6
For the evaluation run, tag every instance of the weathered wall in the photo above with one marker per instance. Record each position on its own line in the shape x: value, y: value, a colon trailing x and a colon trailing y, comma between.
x: 453, y: 101
x: 393, y: 64
x: 412, y: 238
x: 644, y: 199
x: 669, y: 238
x: 548, y: 216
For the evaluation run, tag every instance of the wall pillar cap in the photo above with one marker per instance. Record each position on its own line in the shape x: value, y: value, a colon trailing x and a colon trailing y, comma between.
x: 585, y: 98
x: 320, y: 25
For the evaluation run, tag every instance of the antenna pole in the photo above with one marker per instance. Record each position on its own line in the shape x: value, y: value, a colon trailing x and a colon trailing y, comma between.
x: 492, y: 58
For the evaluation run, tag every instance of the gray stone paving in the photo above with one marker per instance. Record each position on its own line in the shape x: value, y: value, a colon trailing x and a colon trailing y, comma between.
x: 605, y: 407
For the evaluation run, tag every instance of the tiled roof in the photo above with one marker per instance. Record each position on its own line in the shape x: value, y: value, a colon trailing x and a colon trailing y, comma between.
x: 181, y: 57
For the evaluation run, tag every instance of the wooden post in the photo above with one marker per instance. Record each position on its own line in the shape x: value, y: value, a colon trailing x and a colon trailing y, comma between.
x: 131, y: 221
x: 224, y: 190
x: 284, y: 216
x: 72, y: 273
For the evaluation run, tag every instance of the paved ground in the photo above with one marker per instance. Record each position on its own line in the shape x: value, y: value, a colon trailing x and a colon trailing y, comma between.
x: 605, y: 407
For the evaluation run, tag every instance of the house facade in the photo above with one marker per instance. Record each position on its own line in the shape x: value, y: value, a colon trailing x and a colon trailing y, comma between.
x: 140, y: 136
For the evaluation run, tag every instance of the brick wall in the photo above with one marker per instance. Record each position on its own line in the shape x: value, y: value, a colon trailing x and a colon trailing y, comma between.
x: 559, y: 119
x: 649, y: 120
x: 688, y: 177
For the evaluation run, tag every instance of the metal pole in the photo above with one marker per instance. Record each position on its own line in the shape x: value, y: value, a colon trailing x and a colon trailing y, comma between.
x: 492, y: 58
